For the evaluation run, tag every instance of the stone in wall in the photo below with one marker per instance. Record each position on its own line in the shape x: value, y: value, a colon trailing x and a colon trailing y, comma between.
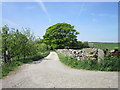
x: 80, y: 55
x: 89, y: 53
x: 114, y: 52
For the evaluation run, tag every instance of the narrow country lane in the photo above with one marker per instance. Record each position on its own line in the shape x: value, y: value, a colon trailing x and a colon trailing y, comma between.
x: 51, y: 73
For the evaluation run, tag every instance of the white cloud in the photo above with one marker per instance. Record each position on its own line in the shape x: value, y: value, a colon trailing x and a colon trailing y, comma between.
x: 104, y: 15
x: 92, y: 14
x: 94, y: 20
x: 82, y: 8
x: 107, y: 15
x: 41, y: 4
x: 30, y: 7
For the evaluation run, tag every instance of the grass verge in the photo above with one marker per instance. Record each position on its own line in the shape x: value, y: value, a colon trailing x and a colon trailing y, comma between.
x: 108, y: 64
x: 6, y: 67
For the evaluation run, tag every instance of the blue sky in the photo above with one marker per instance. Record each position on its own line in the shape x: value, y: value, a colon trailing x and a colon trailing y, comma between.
x: 96, y: 21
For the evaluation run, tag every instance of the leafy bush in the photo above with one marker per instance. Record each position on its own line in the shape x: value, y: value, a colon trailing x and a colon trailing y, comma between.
x: 79, y: 44
x: 53, y: 46
x: 108, y: 64
x: 85, y: 45
x: 42, y: 47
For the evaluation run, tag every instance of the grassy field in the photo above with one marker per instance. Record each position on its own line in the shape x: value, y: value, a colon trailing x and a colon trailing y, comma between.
x: 106, y: 45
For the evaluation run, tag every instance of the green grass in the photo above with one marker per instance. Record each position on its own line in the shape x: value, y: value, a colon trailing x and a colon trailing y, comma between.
x: 106, y: 45
x: 108, y: 64
x: 6, y: 68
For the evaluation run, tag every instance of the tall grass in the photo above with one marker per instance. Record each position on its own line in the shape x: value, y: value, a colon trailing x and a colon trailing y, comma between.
x: 108, y: 64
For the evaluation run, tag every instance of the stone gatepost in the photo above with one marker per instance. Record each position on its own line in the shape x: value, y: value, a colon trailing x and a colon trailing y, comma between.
x: 100, y: 55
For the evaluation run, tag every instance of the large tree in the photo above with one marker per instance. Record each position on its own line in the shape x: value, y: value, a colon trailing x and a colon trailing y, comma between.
x: 61, y: 35
x: 5, y: 34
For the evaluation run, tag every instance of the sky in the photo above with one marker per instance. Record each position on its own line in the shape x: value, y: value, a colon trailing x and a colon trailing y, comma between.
x: 96, y: 21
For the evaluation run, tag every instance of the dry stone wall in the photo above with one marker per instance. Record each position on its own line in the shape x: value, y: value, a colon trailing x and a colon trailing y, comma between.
x: 89, y: 53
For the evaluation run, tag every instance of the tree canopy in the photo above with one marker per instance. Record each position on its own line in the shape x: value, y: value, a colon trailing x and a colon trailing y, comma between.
x: 60, y: 35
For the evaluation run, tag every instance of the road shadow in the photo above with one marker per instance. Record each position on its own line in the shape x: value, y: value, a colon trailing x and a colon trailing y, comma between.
x: 39, y: 61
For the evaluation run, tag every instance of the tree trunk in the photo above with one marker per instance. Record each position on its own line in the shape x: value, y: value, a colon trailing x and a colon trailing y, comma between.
x: 4, y: 57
